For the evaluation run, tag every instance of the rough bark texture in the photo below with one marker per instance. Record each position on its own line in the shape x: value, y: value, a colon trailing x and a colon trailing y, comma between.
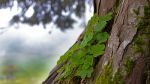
x: 128, y: 47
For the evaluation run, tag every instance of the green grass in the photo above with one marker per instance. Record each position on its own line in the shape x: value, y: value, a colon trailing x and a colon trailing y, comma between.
x: 33, y: 72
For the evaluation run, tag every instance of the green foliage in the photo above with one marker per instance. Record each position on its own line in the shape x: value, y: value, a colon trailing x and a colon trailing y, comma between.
x: 107, y: 17
x: 45, y: 11
x: 82, y: 55
x: 86, y: 39
x: 100, y: 26
x: 97, y: 49
x: 68, y: 71
x: 78, y: 58
x: 68, y: 53
x: 85, y: 72
x: 102, y: 37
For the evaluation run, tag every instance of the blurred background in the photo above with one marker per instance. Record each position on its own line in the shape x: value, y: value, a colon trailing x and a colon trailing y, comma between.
x: 35, y: 33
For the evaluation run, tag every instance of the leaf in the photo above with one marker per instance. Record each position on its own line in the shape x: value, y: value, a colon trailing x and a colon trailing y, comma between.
x: 89, y: 72
x: 63, y: 58
x: 95, y: 18
x: 85, y: 66
x: 102, y: 37
x: 97, y: 50
x: 98, y: 54
x: 106, y: 17
x: 67, y: 72
x: 88, y: 62
x: 68, y: 53
x: 100, y: 26
x: 83, y: 73
x: 86, y: 39
x: 78, y: 58
x: 75, y: 47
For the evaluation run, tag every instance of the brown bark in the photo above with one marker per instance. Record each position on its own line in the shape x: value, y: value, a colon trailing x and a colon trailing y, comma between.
x: 121, y: 47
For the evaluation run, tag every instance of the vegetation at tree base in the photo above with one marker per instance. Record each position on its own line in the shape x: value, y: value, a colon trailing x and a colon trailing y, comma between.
x: 81, y: 58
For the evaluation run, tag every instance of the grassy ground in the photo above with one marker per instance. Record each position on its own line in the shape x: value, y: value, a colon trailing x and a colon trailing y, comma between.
x: 32, y: 72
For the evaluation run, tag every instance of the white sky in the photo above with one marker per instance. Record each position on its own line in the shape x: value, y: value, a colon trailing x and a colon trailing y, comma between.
x: 32, y: 37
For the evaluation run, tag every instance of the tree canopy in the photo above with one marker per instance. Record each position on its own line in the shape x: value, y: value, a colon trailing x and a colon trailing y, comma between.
x: 46, y: 11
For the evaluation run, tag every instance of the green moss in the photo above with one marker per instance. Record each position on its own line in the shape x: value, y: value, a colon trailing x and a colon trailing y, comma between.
x: 116, y: 6
x: 129, y: 64
x: 146, y: 27
x: 143, y: 31
x: 117, y: 3
x: 139, y: 41
x: 106, y: 77
x: 137, y: 11
x: 147, y: 11
x: 118, y: 78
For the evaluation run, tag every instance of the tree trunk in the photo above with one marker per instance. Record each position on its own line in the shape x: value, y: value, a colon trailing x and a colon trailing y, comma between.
x: 127, y: 54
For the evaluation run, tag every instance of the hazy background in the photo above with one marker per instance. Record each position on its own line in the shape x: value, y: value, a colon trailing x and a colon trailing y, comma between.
x: 29, y: 51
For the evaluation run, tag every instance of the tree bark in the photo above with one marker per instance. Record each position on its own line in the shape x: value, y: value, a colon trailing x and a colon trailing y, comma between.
x: 127, y: 52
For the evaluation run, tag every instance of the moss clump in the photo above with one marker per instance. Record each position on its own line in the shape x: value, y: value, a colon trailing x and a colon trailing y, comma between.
x: 129, y: 64
x: 147, y: 11
x: 116, y: 6
x: 143, y: 31
x: 106, y: 77
x: 118, y: 78
x: 146, y: 26
x: 138, y: 44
